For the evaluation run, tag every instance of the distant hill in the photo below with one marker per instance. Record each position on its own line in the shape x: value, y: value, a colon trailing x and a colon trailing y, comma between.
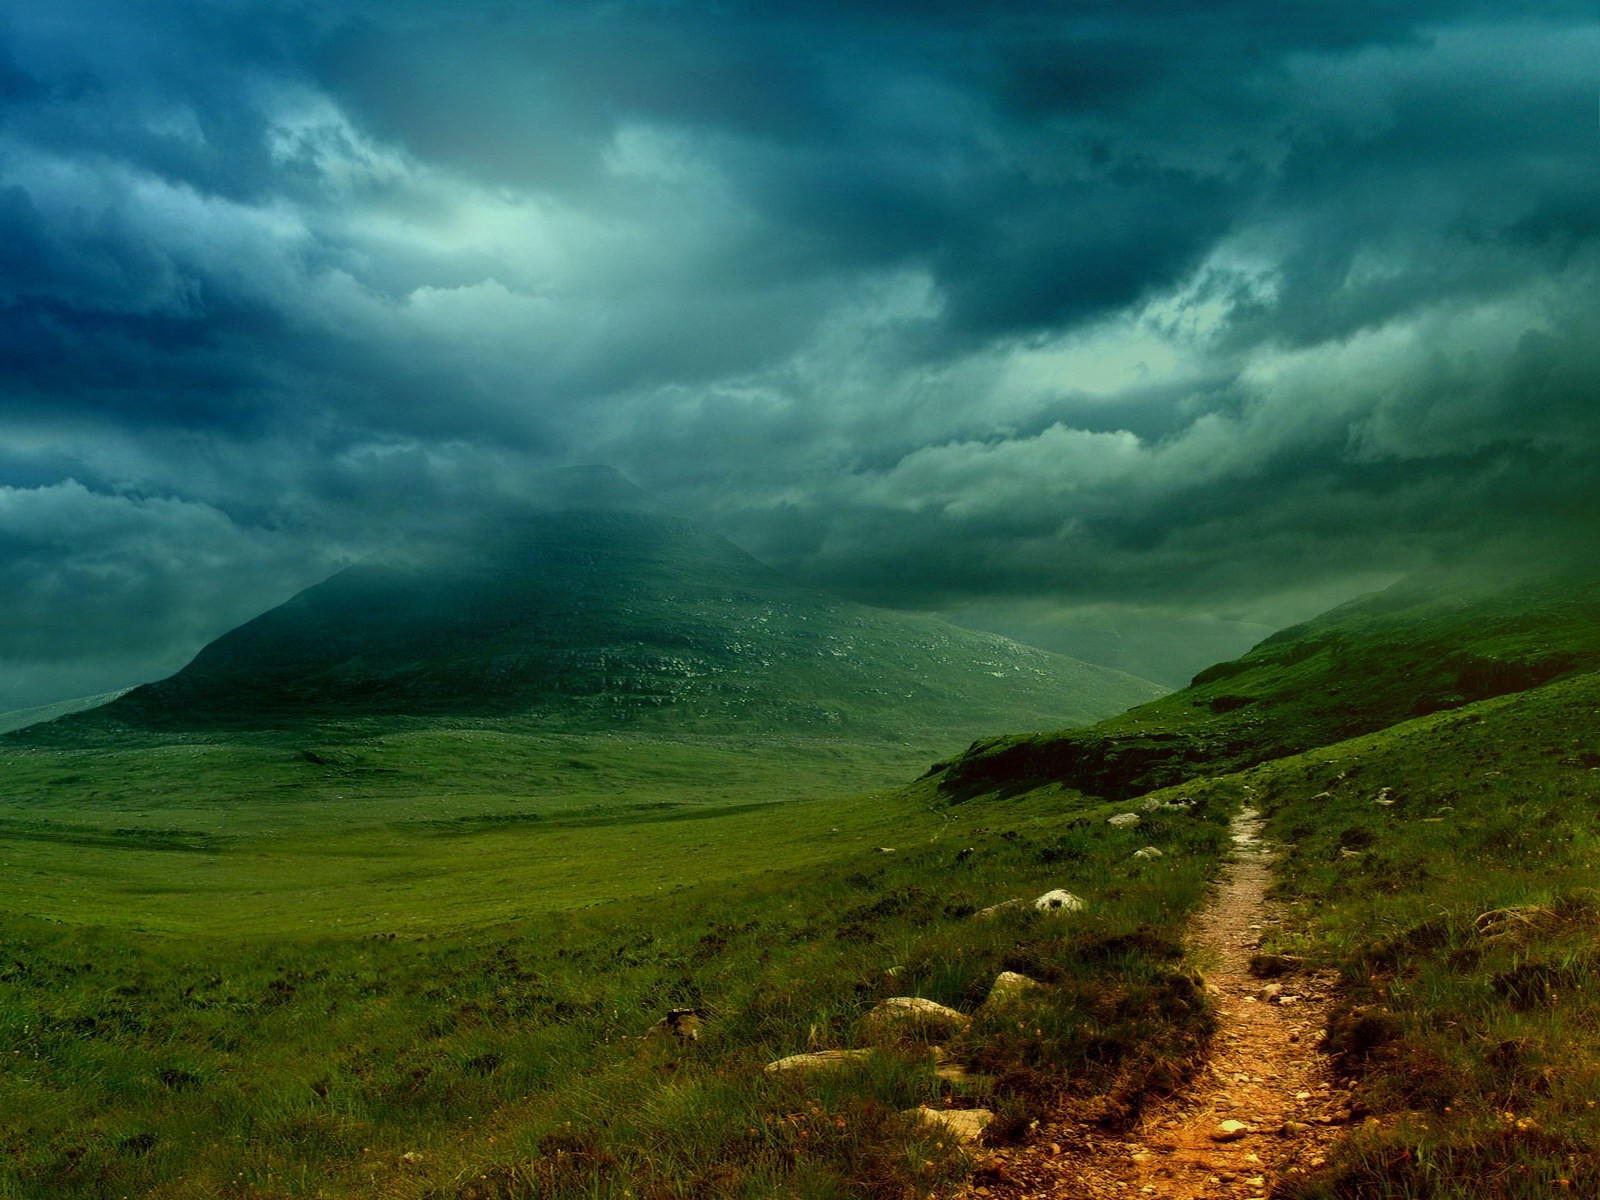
x: 22, y: 718
x: 608, y: 613
x: 1434, y: 641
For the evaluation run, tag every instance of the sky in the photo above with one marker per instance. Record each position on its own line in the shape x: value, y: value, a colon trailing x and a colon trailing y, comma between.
x: 1168, y: 319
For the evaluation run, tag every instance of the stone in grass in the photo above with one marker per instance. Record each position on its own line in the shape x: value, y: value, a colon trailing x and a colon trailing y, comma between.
x: 1148, y: 852
x: 911, y: 1019
x: 1123, y: 820
x: 681, y: 1023
x: 1008, y: 988
x: 1229, y: 1131
x: 1058, y: 901
x: 821, y: 1060
x: 994, y: 910
x: 965, y: 1124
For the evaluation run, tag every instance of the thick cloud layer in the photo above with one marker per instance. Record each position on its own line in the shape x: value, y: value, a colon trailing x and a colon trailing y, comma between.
x: 1196, y: 314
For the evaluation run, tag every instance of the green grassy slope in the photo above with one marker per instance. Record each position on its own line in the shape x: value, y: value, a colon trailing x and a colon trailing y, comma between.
x: 1463, y: 917
x: 1434, y: 641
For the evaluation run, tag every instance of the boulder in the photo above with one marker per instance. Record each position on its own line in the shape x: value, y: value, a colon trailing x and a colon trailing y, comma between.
x: 821, y: 1060
x: 1058, y: 901
x: 965, y: 1124
x: 1148, y: 852
x: 1009, y: 987
x: 910, y: 1019
x: 1125, y: 820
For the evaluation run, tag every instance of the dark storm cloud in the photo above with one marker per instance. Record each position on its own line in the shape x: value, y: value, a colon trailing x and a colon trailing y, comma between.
x: 1221, y: 309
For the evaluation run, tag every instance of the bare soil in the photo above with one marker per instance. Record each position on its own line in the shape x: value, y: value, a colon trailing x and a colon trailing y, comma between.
x: 1263, y: 1070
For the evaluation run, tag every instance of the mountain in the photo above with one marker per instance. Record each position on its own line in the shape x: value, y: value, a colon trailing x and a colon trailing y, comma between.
x: 1436, y: 640
x: 21, y: 718
x: 598, y: 612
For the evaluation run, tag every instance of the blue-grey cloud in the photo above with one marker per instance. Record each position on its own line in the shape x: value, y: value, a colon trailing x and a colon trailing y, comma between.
x: 1193, y: 310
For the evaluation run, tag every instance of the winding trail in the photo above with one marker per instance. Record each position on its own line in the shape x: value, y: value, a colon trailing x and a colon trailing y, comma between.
x: 1263, y: 1071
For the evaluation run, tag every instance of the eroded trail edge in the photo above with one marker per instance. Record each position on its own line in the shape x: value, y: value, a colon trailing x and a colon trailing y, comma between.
x: 1263, y: 1073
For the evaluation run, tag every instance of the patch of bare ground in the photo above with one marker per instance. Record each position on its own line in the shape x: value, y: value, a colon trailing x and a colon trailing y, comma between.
x: 1264, y: 1107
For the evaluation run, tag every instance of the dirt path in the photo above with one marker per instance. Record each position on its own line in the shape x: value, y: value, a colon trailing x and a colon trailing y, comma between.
x: 1264, y: 1071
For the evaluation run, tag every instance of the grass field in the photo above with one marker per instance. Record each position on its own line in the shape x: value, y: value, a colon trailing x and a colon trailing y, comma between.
x: 419, y: 965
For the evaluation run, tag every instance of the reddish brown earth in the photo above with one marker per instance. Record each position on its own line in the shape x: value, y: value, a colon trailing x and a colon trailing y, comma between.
x: 1263, y: 1070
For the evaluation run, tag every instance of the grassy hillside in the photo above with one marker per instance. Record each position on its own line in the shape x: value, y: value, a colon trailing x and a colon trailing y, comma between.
x: 1432, y: 642
x: 416, y: 959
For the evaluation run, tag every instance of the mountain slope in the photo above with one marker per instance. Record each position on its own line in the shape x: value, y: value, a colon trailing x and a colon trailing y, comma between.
x: 594, y: 618
x: 1434, y: 641
x: 21, y: 718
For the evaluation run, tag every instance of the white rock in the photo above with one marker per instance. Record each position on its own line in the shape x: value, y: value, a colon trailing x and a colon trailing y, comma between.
x: 1058, y: 901
x: 1148, y: 852
x: 967, y: 1124
x: 822, y: 1060
x: 994, y: 910
x: 1009, y: 986
x: 1123, y: 820
x: 911, y: 1018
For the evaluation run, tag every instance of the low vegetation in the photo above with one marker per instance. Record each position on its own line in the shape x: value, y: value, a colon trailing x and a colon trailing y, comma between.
x: 508, y: 1060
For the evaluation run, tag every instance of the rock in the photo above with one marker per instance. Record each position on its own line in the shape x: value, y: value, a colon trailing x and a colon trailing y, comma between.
x: 1384, y: 797
x: 911, y: 1019
x: 1148, y: 852
x: 1009, y: 987
x: 967, y: 1124
x: 1270, y: 966
x: 821, y: 1060
x: 1058, y: 901
x: 884, y: 850
x: 1294, y: 1129
x: 1229, y: 1131
x: 1123, y: 820
x: 994, y: 910
x: 681, y: 1023
x: 1272, y: 993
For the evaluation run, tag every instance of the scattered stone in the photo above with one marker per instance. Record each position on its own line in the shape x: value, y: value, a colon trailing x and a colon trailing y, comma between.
x: 911, y: 1019
x: 1270, y: 966
x: 1125, y: 820
x: 411, y: 1158
x: 1384, y: 797
x: 884, y: 850
x: 1058, y: 901
x: 821, y: 1060
x: 1272, y: 993
x: 1323, y: 796
x: 681, y: 1023
x: 966, y: 1124
x: 994, y: 910
x: 1294, y: 1129
x: 1229, y: 1131
x: 1009, y: 987
x: 1148, y: 852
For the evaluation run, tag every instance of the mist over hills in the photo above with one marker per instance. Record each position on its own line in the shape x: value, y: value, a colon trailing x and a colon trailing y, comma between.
x: 594, y: 608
